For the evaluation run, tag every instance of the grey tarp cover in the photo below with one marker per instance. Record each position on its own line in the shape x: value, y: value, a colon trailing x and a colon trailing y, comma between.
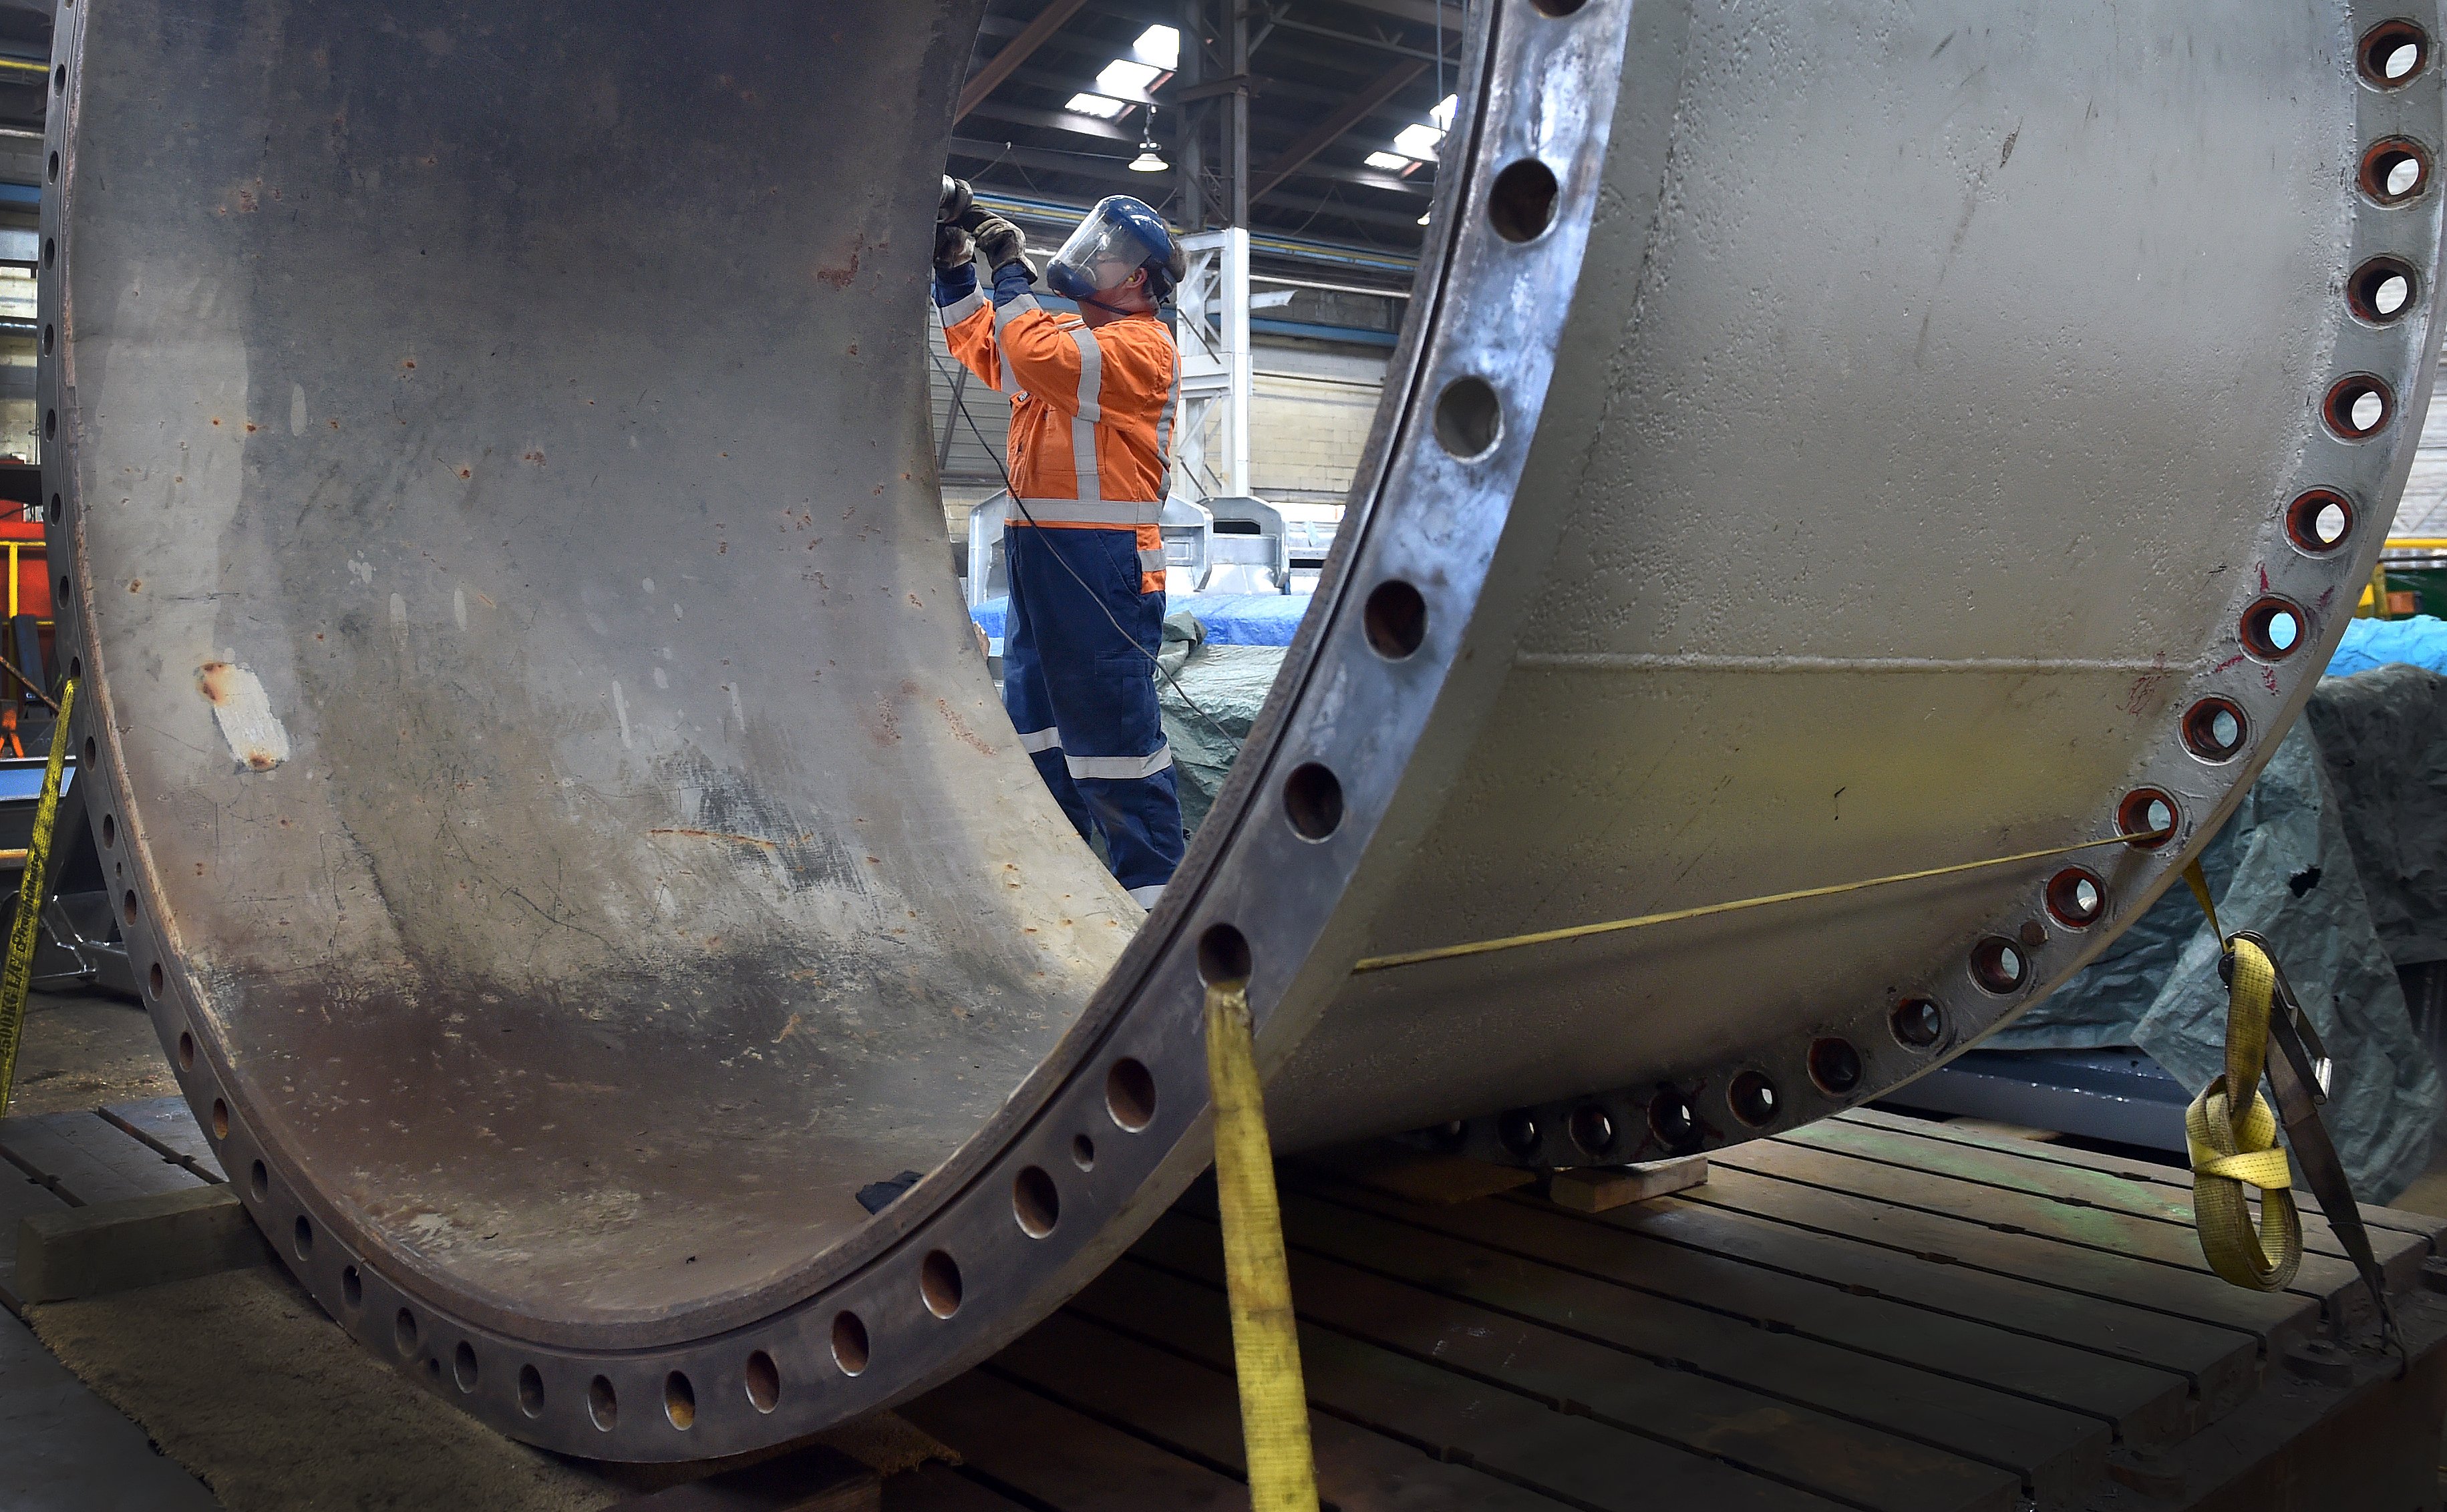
x: 1229, y: 684
x: 2336, y: 862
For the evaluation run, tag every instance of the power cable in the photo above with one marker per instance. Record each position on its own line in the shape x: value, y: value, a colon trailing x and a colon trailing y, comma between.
x: 1011, y: 492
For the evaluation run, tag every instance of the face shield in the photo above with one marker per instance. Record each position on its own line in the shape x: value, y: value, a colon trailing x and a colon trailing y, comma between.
x: 1120, y: 236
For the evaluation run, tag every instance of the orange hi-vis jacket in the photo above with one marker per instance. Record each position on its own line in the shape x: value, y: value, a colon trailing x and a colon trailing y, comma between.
x: 1091, y: 414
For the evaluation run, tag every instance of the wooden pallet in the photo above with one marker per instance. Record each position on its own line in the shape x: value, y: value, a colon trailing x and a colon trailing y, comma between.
x: 54, y: 1161
x: 1875, y: 1313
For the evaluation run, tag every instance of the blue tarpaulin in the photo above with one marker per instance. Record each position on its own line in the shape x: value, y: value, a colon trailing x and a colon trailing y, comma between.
x: 1231, y: 619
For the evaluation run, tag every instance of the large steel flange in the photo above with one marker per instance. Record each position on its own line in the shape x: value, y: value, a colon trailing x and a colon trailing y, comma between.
x: 572, y: 847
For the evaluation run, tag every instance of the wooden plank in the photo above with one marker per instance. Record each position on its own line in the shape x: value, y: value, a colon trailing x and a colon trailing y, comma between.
x: 168, y: 1124
x: 2223, y: 1364
x: 1596, y: 1188
x: 1033, y: 1451
x: 2399, y: 1253
x: 814, y: 1478
x: 2146, y: 1404
x: 85, y: 1159
x: 940, y: 1489
x: 1763, y: 1431
x: 21, y: 1197
x: 2058, y: 1453
x: 1574, y: 1459
x: 1195, y: 1412
x: 2421, y: 1225
x: 2278, y: 1320
x: 2333, y: 1283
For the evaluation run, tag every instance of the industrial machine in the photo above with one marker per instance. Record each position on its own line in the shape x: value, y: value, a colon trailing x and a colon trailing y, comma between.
x: 568, y: 840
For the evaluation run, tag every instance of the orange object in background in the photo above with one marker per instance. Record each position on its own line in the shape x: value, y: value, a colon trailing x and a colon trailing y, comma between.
x: 2403, y: 603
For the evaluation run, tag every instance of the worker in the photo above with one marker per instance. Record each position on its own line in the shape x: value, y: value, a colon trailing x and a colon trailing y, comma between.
x: 1091, y: 397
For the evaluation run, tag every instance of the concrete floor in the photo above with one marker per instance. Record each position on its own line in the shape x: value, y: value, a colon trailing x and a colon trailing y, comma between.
x: 81, y: 1052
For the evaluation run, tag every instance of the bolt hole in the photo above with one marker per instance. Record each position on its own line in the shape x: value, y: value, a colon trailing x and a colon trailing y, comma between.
x: 258, y: 1181
x: 2213, y: 730
x: 938, y: 1283
x: 2320, y: 521
x: 2382, y: 290
x: 2272, y: 629
x: 353, y: 1288
x: 2395, y: 170
x: 1130, y: 1096
x: 60, y: 79
x: 1522, y: 204
x: 1450, y: 1137
x: 530, y: 1391
x: 55, y: 167
x: 680, y: 1401
x: 2149, y: 814
x: 88, y: 740
x: 463, y: 1366
x: 1835, y: 1065
x: 109, y: 830
x: 403, y: 1333
x: 1519, y: 1132
x: 1998, y: 965
x: 2392, y: 52
x: 153, y: 980
x: 764, y: 1382
x: 2076, y: 899
x: 1036, y: 1202
x: 1083, y: 1152
x: 1917, y: 1022
x: 76, y: 670
x: 1671, y: 1120
x: 186, y: 1043
x: 1753, y: 1099
x: 1223, y: 956
x: 1313, y: 800
x: 1470, y: 418
x: 51, y: 425
x: 63, y: 582
x: 1556, y: 8
x: 49, y: 340
x: 602, y: 1405
x: 303, y: 1233
x: 220, y: 1119
x: 2358, y: 406
x: 850, y: 1344
x: 128, y: 906
x: 1591, y: 1129
x: 1395, y: 619
x: 50, y: 250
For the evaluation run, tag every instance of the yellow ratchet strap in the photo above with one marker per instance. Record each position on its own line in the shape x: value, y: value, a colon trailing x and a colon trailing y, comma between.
x: 2234, y: 1146
x: 1266, y: 1336
x: 17, y: 975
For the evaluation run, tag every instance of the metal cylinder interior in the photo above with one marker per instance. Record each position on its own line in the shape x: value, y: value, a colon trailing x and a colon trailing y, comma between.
x: 572, y: 842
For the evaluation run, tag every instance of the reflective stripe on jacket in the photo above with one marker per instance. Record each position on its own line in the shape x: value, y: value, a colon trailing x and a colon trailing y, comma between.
x: 1101, y: 397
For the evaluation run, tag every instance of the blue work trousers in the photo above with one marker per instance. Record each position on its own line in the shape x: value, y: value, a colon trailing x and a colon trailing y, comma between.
x: 1078, y: 679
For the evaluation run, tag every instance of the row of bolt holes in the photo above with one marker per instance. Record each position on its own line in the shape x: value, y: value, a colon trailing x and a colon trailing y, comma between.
x: 1035, y: 1203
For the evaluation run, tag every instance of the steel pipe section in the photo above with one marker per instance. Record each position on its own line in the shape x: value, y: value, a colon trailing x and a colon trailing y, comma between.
x: 572, y: 847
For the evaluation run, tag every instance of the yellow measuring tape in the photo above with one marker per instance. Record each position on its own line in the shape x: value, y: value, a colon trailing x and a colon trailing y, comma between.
x: 2235, y: 1146
x: 1266, y: 1336
x: 17, y: 975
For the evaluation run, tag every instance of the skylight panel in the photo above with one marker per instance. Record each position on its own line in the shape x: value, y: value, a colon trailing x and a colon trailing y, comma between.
x: 1387, y: 160
x: 1097, y: 105
x: 1127, y: 76
x: 1418, y: 141
x: 1158, y: 47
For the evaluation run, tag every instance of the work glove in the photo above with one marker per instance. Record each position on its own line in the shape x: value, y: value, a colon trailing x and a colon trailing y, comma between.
x: 1000, y: 242
x: 954, y: 249
x: 956, y: 199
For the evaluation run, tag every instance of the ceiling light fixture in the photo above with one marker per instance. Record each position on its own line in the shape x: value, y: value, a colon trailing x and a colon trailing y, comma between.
x: 1150, y: 158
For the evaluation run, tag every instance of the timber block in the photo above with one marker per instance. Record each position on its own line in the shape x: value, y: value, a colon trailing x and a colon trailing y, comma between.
x: 815, y: 1478
x: 1597, y: 1188
x: 135, y: 1241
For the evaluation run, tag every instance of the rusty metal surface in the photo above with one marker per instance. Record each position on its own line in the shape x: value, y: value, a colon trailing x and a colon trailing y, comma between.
x: 569, y: 838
